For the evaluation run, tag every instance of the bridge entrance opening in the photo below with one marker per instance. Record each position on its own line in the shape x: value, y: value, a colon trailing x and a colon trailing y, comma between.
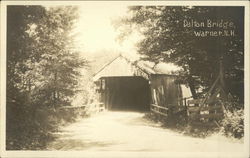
x: 126, y: 93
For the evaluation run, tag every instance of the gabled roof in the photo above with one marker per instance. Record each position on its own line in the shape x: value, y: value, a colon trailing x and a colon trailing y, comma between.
x: 107, y: 64
x: 152, y: 68
x: 141, y: 66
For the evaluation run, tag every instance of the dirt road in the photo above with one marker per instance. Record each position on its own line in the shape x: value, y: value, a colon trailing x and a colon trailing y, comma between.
x: 129, y: 131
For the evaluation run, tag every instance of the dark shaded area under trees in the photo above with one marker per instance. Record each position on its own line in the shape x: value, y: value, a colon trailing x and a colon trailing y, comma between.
x: 165, y: 39
x: 42, y: 72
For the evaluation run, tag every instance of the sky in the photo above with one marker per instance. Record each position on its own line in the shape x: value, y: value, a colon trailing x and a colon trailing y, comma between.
x: 95, y: 31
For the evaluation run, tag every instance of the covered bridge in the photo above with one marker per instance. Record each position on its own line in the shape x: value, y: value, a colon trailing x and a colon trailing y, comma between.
x: 124, y: 84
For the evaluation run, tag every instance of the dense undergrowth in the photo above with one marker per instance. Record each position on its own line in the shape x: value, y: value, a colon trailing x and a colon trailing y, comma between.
x: 184, y: 128
x: 35, y: 130
x: 232, y: 125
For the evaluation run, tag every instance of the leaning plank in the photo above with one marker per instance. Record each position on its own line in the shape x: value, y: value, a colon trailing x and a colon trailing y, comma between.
x: 216, y: 107
x: 197, y: 116
x: 193, y: 108
x: 196, y: 108
x: 194, y: 101
x: 199, y: 101
x: 212, y: 100
x: 159, y: 112
x: 161, y: 107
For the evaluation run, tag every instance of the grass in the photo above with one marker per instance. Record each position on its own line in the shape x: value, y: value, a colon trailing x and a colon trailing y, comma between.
x: 182, y: 127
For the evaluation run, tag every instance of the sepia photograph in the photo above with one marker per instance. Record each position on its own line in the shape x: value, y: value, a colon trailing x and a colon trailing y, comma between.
x: 124, y: 79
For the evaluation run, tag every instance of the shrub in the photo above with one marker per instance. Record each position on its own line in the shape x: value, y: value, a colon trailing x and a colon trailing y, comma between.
x: 233, y: 123
x: 29, y: 129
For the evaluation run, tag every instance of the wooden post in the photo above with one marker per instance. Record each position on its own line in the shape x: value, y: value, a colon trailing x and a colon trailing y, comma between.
x: 222, y: 81
x: 185, y: 102
x: 192, y: 86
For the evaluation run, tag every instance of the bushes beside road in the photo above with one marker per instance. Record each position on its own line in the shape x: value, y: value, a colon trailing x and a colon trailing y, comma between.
x: 232, y: 125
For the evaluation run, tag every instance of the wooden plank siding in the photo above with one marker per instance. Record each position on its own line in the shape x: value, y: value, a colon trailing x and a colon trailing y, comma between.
x: 165, y: 91
x: 159, y: 110
x: 119, y: 78
x: 205, y: 108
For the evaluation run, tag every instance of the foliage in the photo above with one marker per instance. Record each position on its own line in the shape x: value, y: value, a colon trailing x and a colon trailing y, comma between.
x: 180, y: 125
x: 42, y: 71
x: 233, y: 122
x: 166, y: 39
x: 28, y: 129
x: 232, y: 125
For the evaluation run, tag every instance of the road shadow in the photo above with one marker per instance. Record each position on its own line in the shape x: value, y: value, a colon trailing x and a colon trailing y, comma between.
x: 76, y: 144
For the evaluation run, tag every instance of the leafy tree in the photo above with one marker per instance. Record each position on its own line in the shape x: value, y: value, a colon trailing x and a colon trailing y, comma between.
x: 19, y: 46
x: 42, y: 70
x: 165, y: 39
x: 59, y: 64
x: 18, y: 51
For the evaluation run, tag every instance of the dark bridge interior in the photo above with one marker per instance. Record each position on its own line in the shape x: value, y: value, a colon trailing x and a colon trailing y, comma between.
x: 126, y: 93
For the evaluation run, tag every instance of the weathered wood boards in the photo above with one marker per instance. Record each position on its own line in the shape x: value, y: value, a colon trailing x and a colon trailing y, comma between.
x: 209, y: 109
x: 165, y: 91
x: 204, y: 113
x: 199, y: 101
x: 98, y: 107
x: 197, y: 113
x: 114, y: 89
x: 205, y: 108
x: 159, y: 110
